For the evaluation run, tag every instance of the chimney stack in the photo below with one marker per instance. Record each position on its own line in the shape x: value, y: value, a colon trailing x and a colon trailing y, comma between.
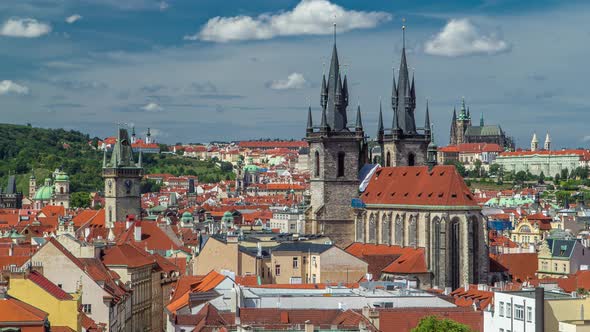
x: 137, y: 231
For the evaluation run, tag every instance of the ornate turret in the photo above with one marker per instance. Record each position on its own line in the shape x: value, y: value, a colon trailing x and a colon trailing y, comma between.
x: 122, y: 155
x: 336, y: 96
x: 547, y: 145
x: 432, y: 151
x: 481, y: 120
x: 453, y: 135
x: 534, y: 143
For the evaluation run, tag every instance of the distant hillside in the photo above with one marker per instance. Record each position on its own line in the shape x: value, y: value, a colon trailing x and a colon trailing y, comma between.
x: 23, y: 148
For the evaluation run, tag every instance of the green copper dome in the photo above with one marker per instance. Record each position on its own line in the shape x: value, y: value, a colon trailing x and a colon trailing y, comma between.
x: 61, y: 176
x: 251, y: 168
x: 187, y: 214
x: 44, y: 193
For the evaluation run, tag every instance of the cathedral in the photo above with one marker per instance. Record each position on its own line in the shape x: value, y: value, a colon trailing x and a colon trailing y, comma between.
x: 409, y: 202
x: 122, y: 179
x: 463, y: 132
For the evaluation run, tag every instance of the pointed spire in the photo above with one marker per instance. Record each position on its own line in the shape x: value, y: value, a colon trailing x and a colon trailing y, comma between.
x: 412, y: 88
x: 547, y: 145
x: 359, y: 121
x: 345, y: 91
x: 324, y: 123
x: 481, y: 120
x: 309, y: 120
x: 335, y: 100
x: 380, y: 128
x: 427, y: 119
x: 324, y: 92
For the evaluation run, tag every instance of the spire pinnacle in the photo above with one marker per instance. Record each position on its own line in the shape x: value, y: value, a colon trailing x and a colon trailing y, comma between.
x: 481, y: 120
x: 404, y: 32
x: 359, y: 121
x: 380, y: 128
x: 324, y: 123
x: 309, y: 120
x: 427, y: 119
x: 334, y: 29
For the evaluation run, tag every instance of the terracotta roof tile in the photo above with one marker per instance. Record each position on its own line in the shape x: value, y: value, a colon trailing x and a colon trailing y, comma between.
x: 404, y: 185
x: 404, y: 320
x: 48, y: 286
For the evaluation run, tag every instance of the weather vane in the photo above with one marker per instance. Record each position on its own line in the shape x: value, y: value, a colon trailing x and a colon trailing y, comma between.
x: 404, y: 31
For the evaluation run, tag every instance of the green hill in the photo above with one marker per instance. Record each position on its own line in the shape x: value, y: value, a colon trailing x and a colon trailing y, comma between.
x: 24, y: 148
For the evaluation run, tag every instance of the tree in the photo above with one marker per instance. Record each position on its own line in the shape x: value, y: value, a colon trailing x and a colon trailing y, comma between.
x: 556, y: 179
x: 520, y: 176
x: 542, y: 178
x: 494, y: 169
x: 80, y: 199
x: 435, y: 324
x: 564, y: 174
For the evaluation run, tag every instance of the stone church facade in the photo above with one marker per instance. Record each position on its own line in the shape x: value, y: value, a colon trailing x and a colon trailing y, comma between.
x: 337, y: 152
x: 410, y: 202
x: 430, y: 208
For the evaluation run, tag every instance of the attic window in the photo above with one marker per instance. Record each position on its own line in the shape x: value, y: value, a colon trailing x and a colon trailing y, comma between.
x: 442, y: 173
x: 430, y: 195
x: 367, y: 193
x: 417, y: 173
x: 469, y: 197
x: 440, y: 194
x: 419, y: 194
x: 392, y: 194
x: 430, y: 173
x: 378, y: 194
x: 453, y: 195
x: 390, y: 174
x: 406, y: 194
x: 404, y: 173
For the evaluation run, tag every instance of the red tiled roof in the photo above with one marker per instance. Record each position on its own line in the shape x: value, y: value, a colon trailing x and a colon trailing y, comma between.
x: 250, y: 280
x: 48, y: 286
x: 126, y: 255
x: 417, y: 185
x: 466, y: 298
x: 408, y: 263
x: 405, y: 319
x: 20, y: 313
x: 581, y: 153
x: 522, y: 266
x: 272, y: 144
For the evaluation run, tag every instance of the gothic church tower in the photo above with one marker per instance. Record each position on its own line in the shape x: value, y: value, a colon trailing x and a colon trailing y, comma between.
x: 404, y: 144
x: 122, y: 178
x: 337, y: 152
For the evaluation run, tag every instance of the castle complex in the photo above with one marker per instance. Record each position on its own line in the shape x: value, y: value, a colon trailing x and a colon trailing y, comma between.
x: 409, y: 202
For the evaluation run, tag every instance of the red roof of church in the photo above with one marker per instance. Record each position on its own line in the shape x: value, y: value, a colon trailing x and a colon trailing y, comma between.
x: 417, y: 185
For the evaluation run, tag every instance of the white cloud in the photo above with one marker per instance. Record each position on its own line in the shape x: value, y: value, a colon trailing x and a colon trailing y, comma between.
x: 74, y: 18
x: 10, y: 87
x: 460, y: 37
x: 24, y: 27
x: 293, y: 81
x: 152, y: 107
x: 164, y: 5
x: 309, y: 17
x: 586, y: 139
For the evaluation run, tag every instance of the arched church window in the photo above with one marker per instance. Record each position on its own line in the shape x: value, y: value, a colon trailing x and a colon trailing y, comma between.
x: 372, y: 229
x: 386, y: 230
x: 436, y: 248
x: 317, y: 164
x: 399, y: 231
x: 411, y: 159
x: 475, y: 239
x: 454, y: 242
x: 61, y: 190
x: 360, y: 229
x: 525, y: 229
x: 412, y: 230
x: 388, y: 159
x: 340, y: 171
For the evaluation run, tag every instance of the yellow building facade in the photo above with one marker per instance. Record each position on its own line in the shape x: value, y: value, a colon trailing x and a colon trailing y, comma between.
x: 34, y: 289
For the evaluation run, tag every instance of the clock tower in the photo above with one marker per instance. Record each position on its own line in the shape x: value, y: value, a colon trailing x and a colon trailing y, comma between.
x: 122, y: 178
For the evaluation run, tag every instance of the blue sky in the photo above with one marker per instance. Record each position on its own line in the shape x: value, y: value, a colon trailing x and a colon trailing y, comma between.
x: 196, y: 71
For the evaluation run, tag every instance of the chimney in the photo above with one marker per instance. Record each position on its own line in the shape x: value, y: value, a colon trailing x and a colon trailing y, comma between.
x: 539, y: 309
x: 137, y: 231
x: 10, y: 249
x: 130, y: 221
x: 308, y: 326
